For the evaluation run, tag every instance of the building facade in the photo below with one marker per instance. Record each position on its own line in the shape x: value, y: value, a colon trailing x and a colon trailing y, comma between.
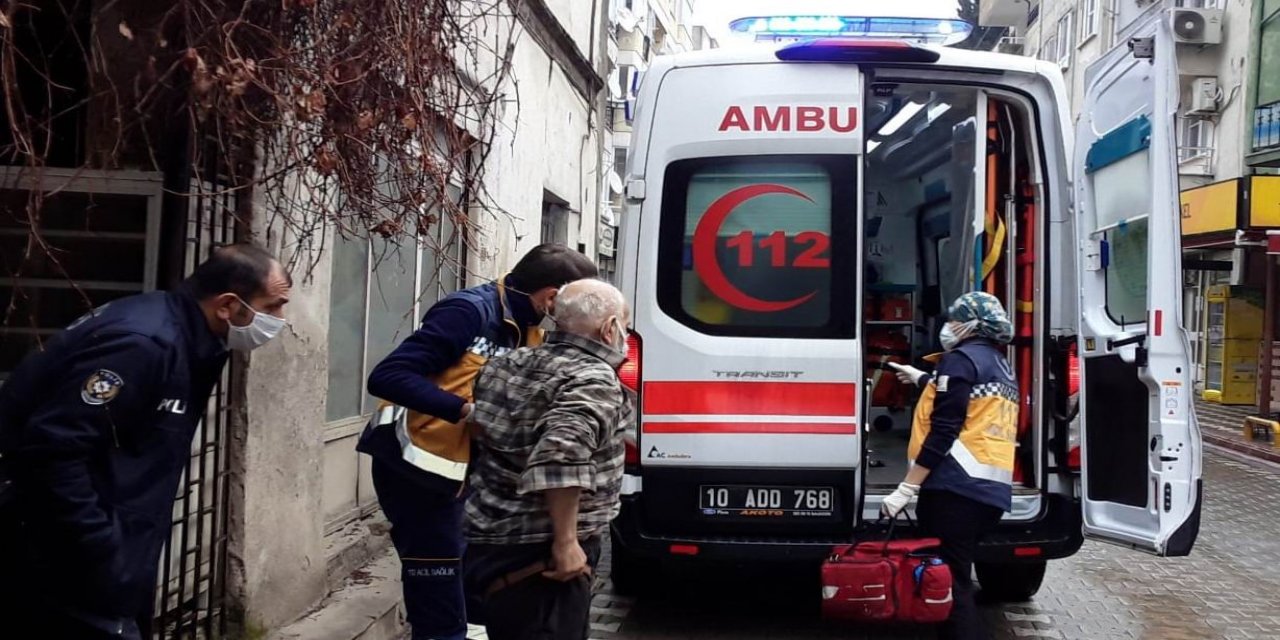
x: 1222, y: 125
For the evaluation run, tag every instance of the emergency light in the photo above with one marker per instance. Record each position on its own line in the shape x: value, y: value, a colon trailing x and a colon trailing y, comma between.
x: 855, y: 50
x: 924, y: 30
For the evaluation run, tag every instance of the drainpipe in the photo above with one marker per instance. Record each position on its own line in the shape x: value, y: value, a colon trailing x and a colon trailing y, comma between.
x: 592, y: 106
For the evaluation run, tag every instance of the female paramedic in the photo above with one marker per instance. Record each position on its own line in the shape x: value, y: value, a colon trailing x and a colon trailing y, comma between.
x: 962, y: 444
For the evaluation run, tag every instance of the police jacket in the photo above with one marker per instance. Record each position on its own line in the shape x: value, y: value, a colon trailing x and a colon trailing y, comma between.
x: 965, y: 426
x: 431, y: 375
x: 96, y: 430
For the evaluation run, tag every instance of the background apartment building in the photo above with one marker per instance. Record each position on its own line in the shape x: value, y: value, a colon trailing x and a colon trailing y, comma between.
x: 638, y: 31
x: 1228, y: 62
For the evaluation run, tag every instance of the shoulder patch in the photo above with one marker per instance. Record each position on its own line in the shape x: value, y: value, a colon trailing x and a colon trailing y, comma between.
x: 942, y: 383
x: 101, y: 387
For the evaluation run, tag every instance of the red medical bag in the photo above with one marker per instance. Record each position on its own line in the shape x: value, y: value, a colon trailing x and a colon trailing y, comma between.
x: 890, y: 580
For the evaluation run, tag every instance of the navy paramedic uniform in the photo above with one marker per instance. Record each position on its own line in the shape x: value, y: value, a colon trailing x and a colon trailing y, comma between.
x: 418, y: 474
x: 964, y: 432
x: 95, y: 431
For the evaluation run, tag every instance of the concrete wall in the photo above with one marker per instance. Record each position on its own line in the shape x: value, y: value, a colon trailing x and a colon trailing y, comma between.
x: 547, y: 143
x: 276, y: 549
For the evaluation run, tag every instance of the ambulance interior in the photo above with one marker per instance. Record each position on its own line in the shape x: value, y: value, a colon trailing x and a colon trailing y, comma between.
x: 939, y: 222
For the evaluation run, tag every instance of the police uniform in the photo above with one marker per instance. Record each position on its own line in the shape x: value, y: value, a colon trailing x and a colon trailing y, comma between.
x: 420, y: 462
x: 95, y: 431
x: 965, y: 431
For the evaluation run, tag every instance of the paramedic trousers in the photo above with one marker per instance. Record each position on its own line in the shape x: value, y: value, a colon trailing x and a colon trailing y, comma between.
x: 426, y: 529
x: 959, y: 523
x: 535, y: 608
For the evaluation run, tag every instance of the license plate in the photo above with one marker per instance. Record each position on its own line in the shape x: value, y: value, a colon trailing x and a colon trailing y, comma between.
x: 767, y: 502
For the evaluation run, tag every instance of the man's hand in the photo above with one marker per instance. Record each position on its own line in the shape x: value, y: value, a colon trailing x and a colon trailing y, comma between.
x: 899, y: 499
x: 907, y: 374
x: 467, y: 410
x: 569, y: 561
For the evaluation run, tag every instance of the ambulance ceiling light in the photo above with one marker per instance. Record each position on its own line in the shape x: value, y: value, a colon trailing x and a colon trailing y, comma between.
x: 871, y: 146
x: 936, y: 110
x: 903, y: 116
x: 925, y: 30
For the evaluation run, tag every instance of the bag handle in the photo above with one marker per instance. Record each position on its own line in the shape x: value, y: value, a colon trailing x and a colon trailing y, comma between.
x: 893, y: 524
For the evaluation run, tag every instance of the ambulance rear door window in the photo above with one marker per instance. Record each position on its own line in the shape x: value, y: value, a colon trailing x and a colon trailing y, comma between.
x: 760, y: 245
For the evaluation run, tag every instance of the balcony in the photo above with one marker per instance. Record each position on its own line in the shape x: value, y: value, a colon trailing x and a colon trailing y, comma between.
x: 1002, y: 13
x: 1195, y: 161
x: 1266, y: 136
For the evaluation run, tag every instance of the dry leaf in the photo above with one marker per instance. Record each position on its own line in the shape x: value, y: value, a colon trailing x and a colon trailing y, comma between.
x: 126, y: 31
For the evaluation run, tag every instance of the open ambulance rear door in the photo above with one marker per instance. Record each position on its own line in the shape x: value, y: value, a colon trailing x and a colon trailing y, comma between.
x: 1141, y: 445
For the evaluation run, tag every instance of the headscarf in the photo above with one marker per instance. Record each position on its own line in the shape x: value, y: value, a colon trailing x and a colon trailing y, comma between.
x: 984, y: 313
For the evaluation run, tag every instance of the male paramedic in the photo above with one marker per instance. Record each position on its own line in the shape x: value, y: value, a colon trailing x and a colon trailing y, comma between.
x: 962, y: 445
x: 95, y: 430
x: 420, y: 461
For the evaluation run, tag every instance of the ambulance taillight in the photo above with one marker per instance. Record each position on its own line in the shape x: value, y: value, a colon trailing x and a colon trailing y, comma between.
x: 629, y: 373
x: 1073, y: 388
x: 630, y: 376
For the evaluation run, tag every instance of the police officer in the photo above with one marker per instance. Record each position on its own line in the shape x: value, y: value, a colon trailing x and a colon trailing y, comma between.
x: 420, y: 462
x: 963, y: 439
x: 95, y: 431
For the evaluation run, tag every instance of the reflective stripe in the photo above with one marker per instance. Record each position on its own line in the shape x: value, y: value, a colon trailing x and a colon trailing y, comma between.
x: 420, y: 458
x: 977, y: 469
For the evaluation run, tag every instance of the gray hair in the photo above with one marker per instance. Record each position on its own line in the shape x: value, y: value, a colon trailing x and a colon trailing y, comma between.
x: 583, y: 305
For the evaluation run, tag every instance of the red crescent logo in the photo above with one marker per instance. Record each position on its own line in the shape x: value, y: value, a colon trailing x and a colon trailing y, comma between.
x: 704, y: 250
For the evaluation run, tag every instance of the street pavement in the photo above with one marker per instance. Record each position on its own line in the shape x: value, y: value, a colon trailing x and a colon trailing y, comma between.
x: 1228, y: 588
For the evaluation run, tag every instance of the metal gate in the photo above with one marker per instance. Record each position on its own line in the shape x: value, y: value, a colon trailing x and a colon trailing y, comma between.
x: 191, y: 595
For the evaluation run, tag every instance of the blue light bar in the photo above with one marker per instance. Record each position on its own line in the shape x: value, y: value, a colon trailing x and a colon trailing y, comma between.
x: 923, y: 30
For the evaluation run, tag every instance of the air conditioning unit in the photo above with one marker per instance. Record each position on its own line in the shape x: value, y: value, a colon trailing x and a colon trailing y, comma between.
x: 1197, y: 26
x: 1204, y: 96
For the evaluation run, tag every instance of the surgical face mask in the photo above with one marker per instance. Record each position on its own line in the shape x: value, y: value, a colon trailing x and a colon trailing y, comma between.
x: 953, y: 333
x: 258, y: 332
x: 948, y: 337
x: 548, y: 323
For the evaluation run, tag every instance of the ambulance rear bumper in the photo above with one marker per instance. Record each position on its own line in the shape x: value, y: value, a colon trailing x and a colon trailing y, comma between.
x: 1055, y: 534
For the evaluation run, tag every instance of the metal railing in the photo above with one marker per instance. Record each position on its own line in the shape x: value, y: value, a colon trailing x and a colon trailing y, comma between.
x: 191, y: 594
x: 1195, y: 161
x: 1266, y: 126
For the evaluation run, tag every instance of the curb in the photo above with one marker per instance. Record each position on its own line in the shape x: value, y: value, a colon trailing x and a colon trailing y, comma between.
x: 1234, y: 444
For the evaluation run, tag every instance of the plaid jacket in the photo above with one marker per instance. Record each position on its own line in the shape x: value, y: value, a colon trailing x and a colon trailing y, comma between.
x: 546, y: 418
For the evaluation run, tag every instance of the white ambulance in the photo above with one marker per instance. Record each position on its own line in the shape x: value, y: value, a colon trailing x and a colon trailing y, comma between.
x: 799, y: 215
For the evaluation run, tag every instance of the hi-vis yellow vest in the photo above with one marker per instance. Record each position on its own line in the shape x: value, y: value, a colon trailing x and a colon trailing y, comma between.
x: 434, y: 444
x: 987, y: 442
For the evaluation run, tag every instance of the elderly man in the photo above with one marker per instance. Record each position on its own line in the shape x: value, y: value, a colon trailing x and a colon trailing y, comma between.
x: 548, y: 428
